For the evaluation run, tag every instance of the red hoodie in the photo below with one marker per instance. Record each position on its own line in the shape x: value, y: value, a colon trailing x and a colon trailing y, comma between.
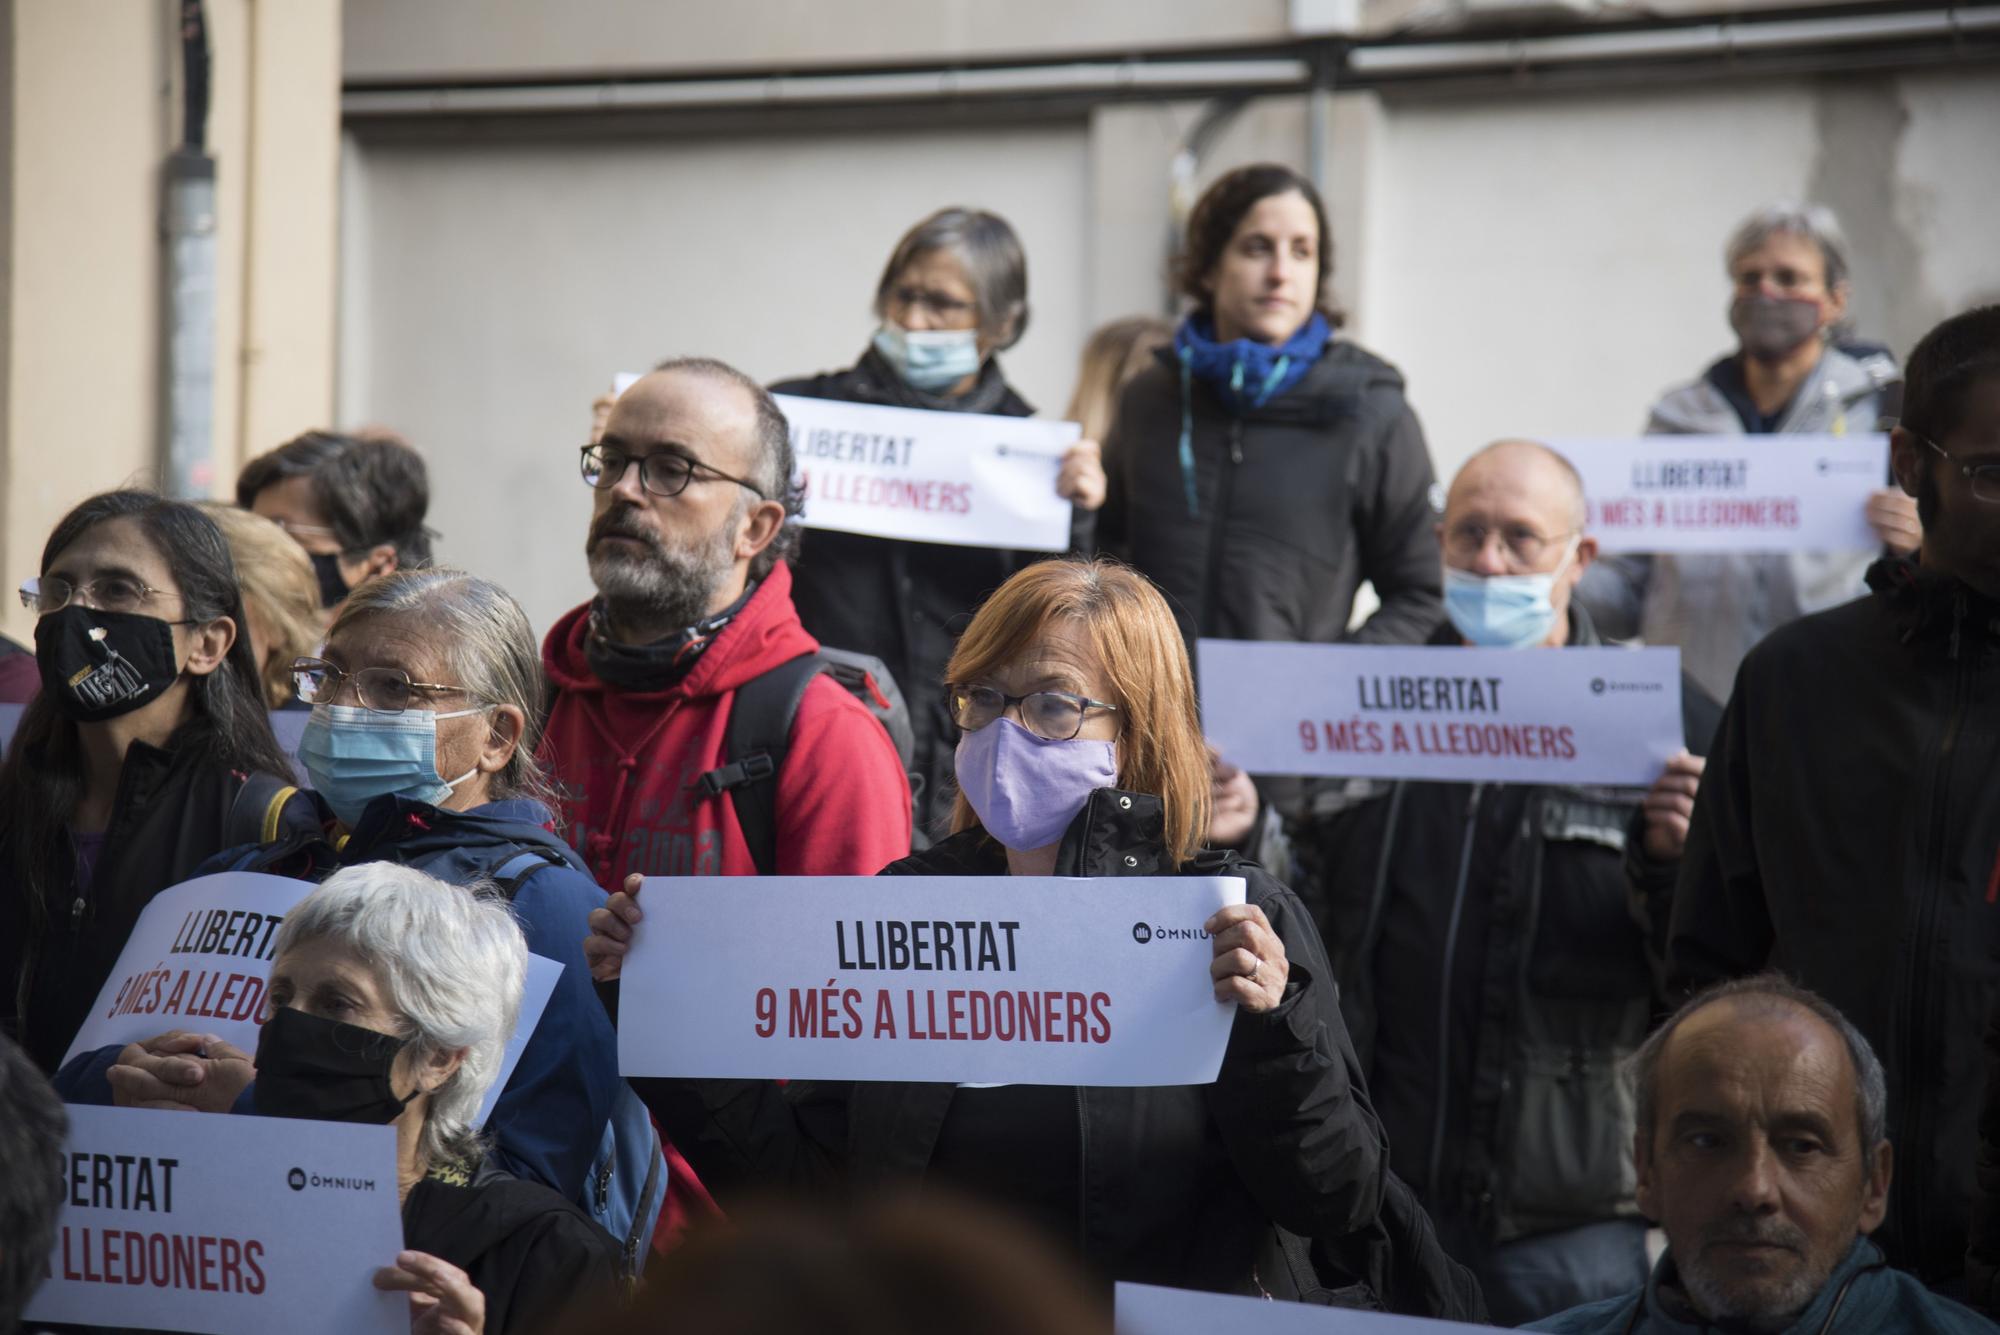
x: 625, y: 763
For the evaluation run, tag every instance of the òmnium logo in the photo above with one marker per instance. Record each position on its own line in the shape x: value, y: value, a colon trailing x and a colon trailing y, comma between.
x: 299, y: 1179
x: 1598, y: 686
x: 1144, y: 932
x: 1141, y: 933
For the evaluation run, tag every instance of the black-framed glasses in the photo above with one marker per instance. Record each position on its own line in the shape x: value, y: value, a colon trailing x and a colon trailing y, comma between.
x: 106, y: 593
x: 1524, y: 546
x: 1984, y: 479
x: 385, y: 690
x: 1053, y: 716
x: 663, y: 473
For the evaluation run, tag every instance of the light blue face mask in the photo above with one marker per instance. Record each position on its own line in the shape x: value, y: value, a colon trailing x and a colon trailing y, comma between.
x: 929, y: 359
x: 355, y: 755
x: 1503, y: 611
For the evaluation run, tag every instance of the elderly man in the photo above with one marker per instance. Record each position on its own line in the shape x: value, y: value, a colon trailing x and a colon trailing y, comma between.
x: 1791, y: 375
x: 1490, y: 968
x: 1850, y: 827
x: 693, y: 483
x: 1762, y: 1148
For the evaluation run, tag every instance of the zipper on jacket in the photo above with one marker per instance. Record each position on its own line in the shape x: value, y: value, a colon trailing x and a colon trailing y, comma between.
x: 1224, y: 488
x: 1931, y: 887
x: 1082, y: 1177
x: 1433, y: 1186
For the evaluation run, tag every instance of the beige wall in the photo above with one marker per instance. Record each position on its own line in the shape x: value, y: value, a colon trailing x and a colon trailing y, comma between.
x: 90, y: 108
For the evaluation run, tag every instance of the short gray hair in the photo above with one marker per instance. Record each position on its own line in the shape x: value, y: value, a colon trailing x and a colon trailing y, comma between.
x: 487, y: 645
x: 452, y: 960
x: 776, y: 471
x: 994, y: 264
x: 1814, y: 222
x: 1871, y: 1090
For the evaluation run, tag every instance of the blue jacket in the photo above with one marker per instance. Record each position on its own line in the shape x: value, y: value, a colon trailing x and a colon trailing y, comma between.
x: 550, y: 1118
x: 1871, y: 1297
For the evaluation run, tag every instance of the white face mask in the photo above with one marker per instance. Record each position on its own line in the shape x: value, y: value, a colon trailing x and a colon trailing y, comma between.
x: 929, y: 359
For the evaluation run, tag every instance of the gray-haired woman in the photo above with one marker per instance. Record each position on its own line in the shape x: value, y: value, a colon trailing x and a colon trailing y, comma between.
x: 953, y: 296
x: 391, y: 999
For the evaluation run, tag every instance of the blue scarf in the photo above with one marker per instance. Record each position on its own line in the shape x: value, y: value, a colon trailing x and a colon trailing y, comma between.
x: 1244, y: 374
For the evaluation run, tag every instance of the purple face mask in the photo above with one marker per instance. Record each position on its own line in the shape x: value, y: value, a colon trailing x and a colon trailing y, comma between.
x: 1026, y: 791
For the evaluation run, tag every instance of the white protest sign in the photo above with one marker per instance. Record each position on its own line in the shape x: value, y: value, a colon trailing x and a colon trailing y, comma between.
x: 1592, y: 716
x: 199, y: 958
x: 963, y: 478
x: 224, y: 1225
x: 1766, y: 493
x: 969, y: 979
x: 1146, y: 1309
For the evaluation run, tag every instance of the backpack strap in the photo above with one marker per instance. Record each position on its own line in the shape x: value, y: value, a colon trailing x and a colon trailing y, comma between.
x: 512, y: 874
x: 760, y: 731
x: 257, y: 813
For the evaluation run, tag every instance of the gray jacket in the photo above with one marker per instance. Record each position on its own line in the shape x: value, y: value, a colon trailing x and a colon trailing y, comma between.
x: 1716, y: 606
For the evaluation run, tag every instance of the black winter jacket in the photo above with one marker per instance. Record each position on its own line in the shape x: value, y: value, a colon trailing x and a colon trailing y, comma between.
x: 1982, y: 1251
x: 1299, y: 502
x: 1846, y: 833
x: 1494, y: 976
x: 904, y: 602
x: 1175, y: 1185
x: 173, y: 811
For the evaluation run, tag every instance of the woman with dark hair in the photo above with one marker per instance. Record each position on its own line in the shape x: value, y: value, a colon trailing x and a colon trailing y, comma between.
x: 953, y: 296
x: 1264, y: 468
x: 147, y: 750
x: 356, y: 504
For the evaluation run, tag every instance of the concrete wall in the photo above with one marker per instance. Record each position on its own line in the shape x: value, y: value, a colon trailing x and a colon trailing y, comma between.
x: 90, y: 108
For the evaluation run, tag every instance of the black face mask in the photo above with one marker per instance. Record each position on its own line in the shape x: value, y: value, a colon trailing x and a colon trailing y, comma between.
x: 326, y: 1071
x: 97, y: 665
x: 332, y: 588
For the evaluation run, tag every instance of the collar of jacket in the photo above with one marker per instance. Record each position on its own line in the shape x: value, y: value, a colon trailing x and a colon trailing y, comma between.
x: 989, y: 394
x: 1927, y: 605
x: 1700, y: 408
x: 1117, y: 833
x: 1582, y: 630
x: 1668, y: 1312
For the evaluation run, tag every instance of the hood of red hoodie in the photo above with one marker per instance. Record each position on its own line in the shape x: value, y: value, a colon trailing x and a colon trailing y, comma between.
x: 764, y: 634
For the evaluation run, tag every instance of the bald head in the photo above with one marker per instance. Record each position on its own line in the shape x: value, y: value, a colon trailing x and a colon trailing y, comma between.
x: 1532, y: 469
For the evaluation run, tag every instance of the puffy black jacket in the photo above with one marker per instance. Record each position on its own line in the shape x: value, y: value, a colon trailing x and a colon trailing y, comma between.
x: 1494, y: 976
x: 174, y: 810
x: 1846, y: 833
x: 904, y: 602
x: 1176, y: 1185
x: 1299, y: 502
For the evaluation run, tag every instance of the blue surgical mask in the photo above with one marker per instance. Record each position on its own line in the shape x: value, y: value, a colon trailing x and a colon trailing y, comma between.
x: 1502, y: 611
x: 929, y: 359
x: 355, y: 755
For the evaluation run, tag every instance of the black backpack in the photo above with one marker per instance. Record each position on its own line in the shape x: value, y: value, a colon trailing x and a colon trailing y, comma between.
x: 760, y: 730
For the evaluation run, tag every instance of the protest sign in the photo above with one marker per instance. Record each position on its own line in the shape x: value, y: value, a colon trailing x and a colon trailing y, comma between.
x: 224, y: 1225
x: 1590, y: 716
x: 1765, y: 493
x: 973, y: 979
x: 964, y: 478
x: 199, y: 958
x: 1145, y: 1309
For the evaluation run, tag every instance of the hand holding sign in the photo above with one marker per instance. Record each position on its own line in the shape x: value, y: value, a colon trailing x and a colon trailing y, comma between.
x: 611, y: 931
x: 443, y: 1298
x: 1082, y: 482
x: 1670, y: 807
x: 1893, y: 516
x: 183, y: 1071
x: 1250, y: 967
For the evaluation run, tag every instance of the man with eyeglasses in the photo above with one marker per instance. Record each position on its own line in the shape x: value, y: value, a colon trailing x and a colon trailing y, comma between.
x: 1491, y: 972
x: 693, y: 521
x: 1849, y: 830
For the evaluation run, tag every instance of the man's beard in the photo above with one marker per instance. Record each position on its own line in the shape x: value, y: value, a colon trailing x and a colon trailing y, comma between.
x: 1768, y: 1304
x: 663, y: 589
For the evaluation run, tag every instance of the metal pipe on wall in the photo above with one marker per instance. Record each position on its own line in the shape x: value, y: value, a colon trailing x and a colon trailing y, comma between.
x: 187, y: 463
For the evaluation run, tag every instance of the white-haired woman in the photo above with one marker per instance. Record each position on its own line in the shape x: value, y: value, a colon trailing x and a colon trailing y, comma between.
x: 392, y: 996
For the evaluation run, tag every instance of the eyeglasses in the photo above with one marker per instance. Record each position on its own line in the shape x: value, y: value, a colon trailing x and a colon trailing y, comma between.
x: 904, y: 297
x: 663, y: 474
x: 1053, y: 716
x: 1984, y: 478
x: 385, y: 690
x: 106, y: 593
x: 1523, y: 546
